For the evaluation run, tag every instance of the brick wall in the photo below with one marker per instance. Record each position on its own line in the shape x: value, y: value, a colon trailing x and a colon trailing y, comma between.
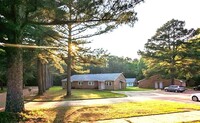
x: 120, y: 80
x: 85, y: 85
x: 114, y: 85
x: 150, y: 82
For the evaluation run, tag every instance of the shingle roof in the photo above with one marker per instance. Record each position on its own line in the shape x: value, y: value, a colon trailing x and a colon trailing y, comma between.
x: 130, y: 80
x: 95, y: 77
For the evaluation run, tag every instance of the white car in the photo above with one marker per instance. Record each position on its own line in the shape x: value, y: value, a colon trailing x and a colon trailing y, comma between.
x: 195, y: 97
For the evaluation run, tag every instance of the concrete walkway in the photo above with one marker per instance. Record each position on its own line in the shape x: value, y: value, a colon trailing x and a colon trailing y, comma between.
x: 45, y: 105
x: 164, y: 118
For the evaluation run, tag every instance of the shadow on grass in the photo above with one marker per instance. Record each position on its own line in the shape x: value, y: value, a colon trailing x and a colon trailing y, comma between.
x: 60, y: 116
x: 78, y: 94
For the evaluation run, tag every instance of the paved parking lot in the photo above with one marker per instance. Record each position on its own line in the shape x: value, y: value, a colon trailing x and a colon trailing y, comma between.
x: 162, y: 95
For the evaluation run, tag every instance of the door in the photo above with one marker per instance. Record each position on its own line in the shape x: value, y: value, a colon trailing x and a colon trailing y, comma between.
x: 102, y: 85
x: 120, y: 85
x: 156, y: 85
x: 160, y: 85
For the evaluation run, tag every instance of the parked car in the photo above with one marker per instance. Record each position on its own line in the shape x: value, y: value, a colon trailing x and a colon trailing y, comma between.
x: 195, y: 97
x: 175, y: 88
x: 196, y: 88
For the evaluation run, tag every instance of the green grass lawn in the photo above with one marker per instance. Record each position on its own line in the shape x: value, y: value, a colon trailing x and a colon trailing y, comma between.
x: 103, y: 112
x: 113, y: 111
x: 135, y: 89
x: 56, y: 93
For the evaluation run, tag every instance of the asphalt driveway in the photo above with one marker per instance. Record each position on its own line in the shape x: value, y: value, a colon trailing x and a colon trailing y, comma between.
x: 161, y: 95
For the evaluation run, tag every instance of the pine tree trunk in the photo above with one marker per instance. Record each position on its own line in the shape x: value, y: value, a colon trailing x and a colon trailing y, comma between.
x: 172, y: 69
x: 47, y: 77
x: 51, y: 80
x: 69, y: 62
x: 69, y: 79
x: 172, y: 79
x: 43, y: 78
x: 39, y: 78
x: 15, y: 99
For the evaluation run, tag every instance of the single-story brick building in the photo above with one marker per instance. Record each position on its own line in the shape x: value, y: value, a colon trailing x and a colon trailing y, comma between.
x: 157, y: 82
x: 107, y: 81
x: 130, y: 82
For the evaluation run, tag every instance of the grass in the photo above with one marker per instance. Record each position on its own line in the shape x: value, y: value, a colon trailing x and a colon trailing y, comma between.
x: 56, y: 93
x: 131, y: 109
x: 103, y: 112
x: 135, y: 89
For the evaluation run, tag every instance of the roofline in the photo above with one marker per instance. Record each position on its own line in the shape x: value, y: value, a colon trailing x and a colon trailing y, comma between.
x: 122, y: 75
x: 97, y: 80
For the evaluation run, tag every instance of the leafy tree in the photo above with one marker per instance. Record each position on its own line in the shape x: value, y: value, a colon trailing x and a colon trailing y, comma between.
x: 141, y: 67
x: 190, y: 53
x: 163, y: 50
x: 115, y: 64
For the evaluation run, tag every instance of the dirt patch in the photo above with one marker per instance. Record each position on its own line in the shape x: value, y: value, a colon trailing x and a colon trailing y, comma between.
x: 86, y: 112
x: 26, y: 92
x: 91, y: 116
x: 187, y: 109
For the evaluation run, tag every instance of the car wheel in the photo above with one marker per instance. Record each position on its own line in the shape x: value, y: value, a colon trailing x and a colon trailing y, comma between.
x: 166, y: 90
x: 195, y: 98
x: 176, y: 91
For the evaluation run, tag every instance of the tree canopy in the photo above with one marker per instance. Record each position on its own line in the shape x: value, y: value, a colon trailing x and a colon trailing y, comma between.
x: 163, y: 51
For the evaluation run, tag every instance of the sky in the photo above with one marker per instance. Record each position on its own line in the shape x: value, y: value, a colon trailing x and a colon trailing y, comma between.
x: 125, y: 41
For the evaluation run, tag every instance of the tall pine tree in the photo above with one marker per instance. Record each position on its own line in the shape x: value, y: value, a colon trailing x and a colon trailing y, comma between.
x: 162, y: 51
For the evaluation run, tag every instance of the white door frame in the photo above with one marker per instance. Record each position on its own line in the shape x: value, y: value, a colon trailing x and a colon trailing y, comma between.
x: 156, y: 85
x: 160, y: 85
x: 102, y: 85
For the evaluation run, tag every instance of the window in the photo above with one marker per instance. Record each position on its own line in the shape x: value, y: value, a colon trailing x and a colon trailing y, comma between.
x: 90, y: 83
x: 80, y: 83
x: 109, y: 83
